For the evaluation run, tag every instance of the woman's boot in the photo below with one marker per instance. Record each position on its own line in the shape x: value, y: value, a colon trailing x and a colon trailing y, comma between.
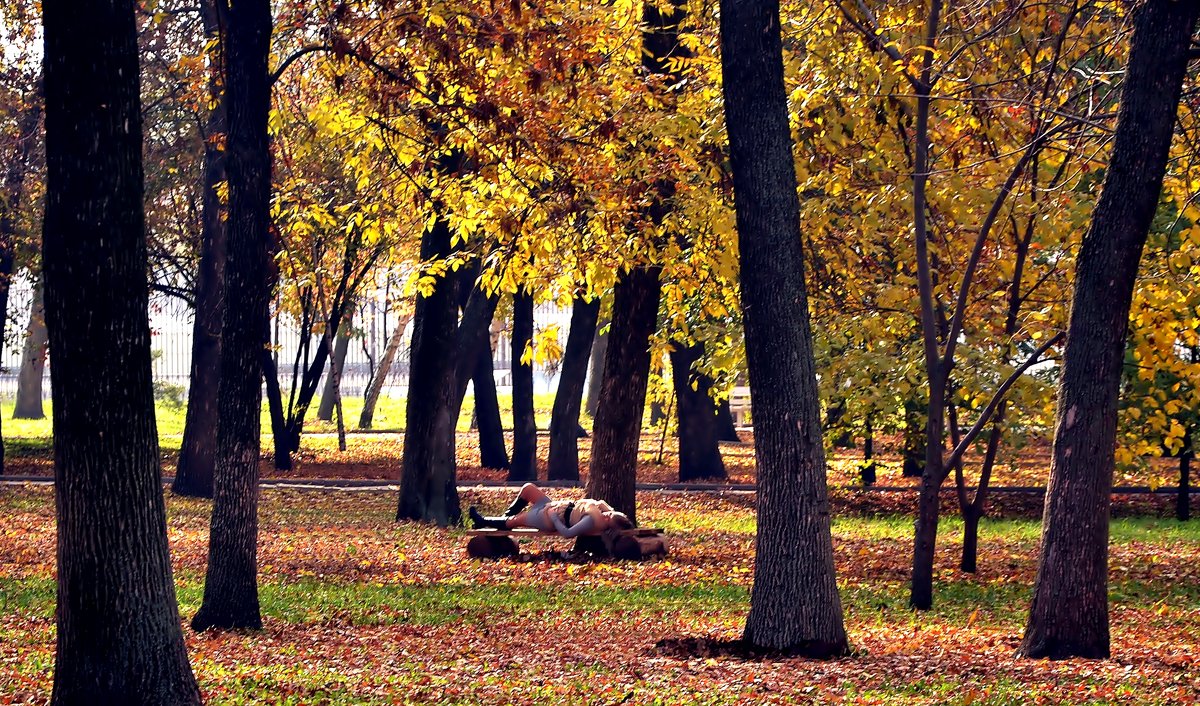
x: 481, y: 522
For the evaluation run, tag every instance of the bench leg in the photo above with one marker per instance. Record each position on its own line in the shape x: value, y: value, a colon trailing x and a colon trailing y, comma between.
x: 481, y: 547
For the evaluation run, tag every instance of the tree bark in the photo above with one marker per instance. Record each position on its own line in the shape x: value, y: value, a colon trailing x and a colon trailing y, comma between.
x: 231, y: 582
x: 427, y: 467
x: 564, y: 418
x: 33, y: 360
x: 699, y: 450
x: 1069, y: 613
x: 794, y: 603
x: 1183, y: 507
x: 524, y: 460
x: 617, y: 431
x: 726, y: 429
x: 194, y: 471
x: 332, y: 380
x: 118, y: 635
x: 367, y: 416
x: 492, y: 450
x: 596, y: 368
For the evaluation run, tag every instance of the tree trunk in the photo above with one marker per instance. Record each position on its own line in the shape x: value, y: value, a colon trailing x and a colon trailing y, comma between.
x: 231, y: 582
x: 794, y: 603
x: 1069, y: 612
x: 492, y: 451
x: 564, y: 418
x: 617, y: 431
x: 699, y: 450
x: 427, y: 466
x: 332, y: 391
x: 596, y: 368
x: 367, y: 416
x: 194, y: 471
x: 33, y: 361
x: 524, y: 460
x: 279, y: 437
x: 726, y: 429
x: 118, y: 635
x: 1183, y: 507
x: 970, y: 549
x: 929, y: 500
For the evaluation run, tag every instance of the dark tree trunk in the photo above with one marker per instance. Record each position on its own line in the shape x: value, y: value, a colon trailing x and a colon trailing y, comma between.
x: 331, y: 390
x: 33, y: 361
x: 596, y: 369
x: 699, y: 450
x: 427, y: 467
x: 366, y: 418
x: 486, y: 421
x: 1183, y: 506
x: 194, y: 471
x: 564, y: 418
x: 231, y: 583
x: 492, y: 451
x: 279, y: 437
x: 970, y: 549
x: 524, y: 460
x: 794, y: 604
x: 915, y: 439
x: 118, y: 635
x: 1069, y: 613
x: 726, y: 429
x: 617, y: 431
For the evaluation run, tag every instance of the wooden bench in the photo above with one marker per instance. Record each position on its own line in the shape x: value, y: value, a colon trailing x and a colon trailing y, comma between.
x: 739, y: 405
x: 637, y: 543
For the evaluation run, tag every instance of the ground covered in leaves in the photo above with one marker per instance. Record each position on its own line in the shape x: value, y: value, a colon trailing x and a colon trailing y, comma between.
x: 360, y: 609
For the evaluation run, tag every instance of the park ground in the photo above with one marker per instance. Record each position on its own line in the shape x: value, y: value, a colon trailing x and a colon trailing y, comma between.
x: 360, y: 609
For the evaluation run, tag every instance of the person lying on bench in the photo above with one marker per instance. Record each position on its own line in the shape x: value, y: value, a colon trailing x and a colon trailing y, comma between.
x: 533, y: 508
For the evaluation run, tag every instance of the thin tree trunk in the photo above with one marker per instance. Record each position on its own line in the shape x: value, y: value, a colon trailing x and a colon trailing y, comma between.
x: 596, y: 369
x: 492, y: 451
x: 1183, y: 508
x: 1069, y: 613
x: 524, y: 460
x: 33, y: 361
x: 231, y: 582
x: 331, y: 391
x: 794, y: 603
x: 617, y: 431
x: 367, y: 416
x: 699, y: 450
x: 118, y: 634
x: 194, y: 471
x: 279, y: 437
x: 428, y: 466
x: 564, y: 418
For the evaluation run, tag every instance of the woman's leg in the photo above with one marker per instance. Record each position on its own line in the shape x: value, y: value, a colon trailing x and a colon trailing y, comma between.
x: 529, y: 494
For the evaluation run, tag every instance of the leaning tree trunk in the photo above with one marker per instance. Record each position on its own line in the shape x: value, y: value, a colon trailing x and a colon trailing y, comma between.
x: 794, y: 603
x: 699, y: 450
x: 564, y: 418
x: 617, y: 431
x: 427, y: 466
x: 194, y: 471
x: 596, y: 369
x: 231, y: 582
x: 33, y: 361
x: 367, y: 416
x: 1069, y: 613
x: 331, y: 391
x: 524, y: 459
x: 118, y: 635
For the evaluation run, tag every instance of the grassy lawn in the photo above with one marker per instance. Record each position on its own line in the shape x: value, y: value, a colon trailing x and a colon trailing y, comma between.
x: 362, y: 610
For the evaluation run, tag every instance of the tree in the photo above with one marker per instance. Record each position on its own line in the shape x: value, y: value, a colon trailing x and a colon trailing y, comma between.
x: 118, y: 633
x: 1069, y: 613
x: 33, y: 360
x: 231, y: 581
x: 524, y: 458
x: 699, y: 450
x: 194, y: 471
x: 794, y: 603
x: 563, y: 462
